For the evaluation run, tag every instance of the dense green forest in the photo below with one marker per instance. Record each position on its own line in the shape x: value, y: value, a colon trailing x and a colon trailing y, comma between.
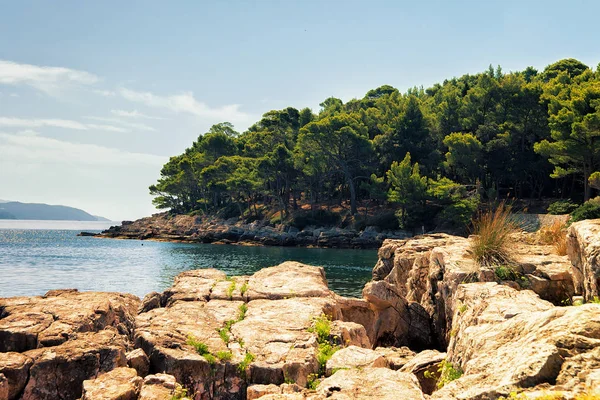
x: 429, y: 155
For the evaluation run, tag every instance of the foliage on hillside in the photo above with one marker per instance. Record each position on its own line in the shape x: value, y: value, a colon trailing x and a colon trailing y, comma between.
x: 432, y: 153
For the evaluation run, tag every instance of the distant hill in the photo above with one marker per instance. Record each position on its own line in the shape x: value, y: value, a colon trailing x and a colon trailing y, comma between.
x: 18, y: 210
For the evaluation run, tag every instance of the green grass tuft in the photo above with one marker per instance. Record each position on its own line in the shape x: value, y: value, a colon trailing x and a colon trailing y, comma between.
x: 493, y: 232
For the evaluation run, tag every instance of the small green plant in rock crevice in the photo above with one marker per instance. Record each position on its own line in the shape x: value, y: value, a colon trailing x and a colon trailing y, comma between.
x: 180, y: 394
x: 322, y: 327
x: 245, y: 363
x: 447, y: 373
x: 231, y: 289
x: 244, y: 289
x: 201, y: 348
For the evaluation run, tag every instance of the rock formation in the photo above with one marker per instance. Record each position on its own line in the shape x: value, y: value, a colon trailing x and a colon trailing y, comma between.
x: 196, y: 229
x: 282, y: 334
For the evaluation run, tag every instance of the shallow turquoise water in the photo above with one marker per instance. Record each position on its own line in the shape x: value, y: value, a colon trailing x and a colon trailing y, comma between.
x: 35, y: 261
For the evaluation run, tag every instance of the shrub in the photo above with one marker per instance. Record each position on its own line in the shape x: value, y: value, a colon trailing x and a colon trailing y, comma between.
x: 458, y: 215
x: 385, y: 220
x: 302, y: 219
x: 556, y: 235
x: 561, y: 207
x: 493, y: 231
x: 588, y: 210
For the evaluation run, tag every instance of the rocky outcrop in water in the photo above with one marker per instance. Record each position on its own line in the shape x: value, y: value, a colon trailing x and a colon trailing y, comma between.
x: 196, y: 229
x: 431, y: 324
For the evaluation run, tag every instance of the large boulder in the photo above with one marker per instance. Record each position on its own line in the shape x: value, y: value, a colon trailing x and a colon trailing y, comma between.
x: 30, y: 322
x: 15, y: 368
x: 505, y: 340
x: 118, y: 384
x: 583, y: 247
x: 58, y: 372
x: 424, y: 273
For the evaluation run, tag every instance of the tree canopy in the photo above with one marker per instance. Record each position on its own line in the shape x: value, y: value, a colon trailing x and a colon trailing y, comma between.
x: 524, y: 134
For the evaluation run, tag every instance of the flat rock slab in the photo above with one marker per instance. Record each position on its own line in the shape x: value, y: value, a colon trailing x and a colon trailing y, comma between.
x: 371, y: 383
x: 118, y: 384
x: 194, y: 285
x: 30, y: 322
x: 355, y: 357
x: 289, y: 279
x: 158, y: 387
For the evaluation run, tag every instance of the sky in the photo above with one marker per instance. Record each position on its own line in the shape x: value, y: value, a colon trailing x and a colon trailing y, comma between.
x: 96, y: 96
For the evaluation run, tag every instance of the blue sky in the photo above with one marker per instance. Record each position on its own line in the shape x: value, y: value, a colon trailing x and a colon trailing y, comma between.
x: 95, y: 96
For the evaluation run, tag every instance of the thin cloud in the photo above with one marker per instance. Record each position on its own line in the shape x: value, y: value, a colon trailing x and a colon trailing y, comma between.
x: 133, y: 125
x: 46, y: 79
x: 105, y: 93
x: 133, y: 114
x: 43, y: 150
x: 57, y: 123
x: 185, y: 103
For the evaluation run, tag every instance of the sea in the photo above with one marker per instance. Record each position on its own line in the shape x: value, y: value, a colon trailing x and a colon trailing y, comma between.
x: 37, y: 256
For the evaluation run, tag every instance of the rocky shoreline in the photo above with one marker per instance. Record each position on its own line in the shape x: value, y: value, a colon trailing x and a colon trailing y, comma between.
x: 196, y: 229
x: 431, y: 325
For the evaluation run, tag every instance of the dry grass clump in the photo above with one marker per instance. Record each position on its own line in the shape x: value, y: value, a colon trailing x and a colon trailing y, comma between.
x: 555, y: 234
x: 493, y: 238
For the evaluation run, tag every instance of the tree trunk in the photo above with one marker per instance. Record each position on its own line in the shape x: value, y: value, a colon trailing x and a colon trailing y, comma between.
x: 352, y: 196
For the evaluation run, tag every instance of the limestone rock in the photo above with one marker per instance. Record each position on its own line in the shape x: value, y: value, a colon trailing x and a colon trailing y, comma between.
x: 3, y: 387
x: 370, y: 383
x: 276, y: 332
x: 163, y: 335
x: 194, y: 285
x: 396, y: 357
x: 139, y: 361
x: 15, y: 368
x: 158, y: 387
x: 423, y: 364
x: 289, y: 279
x: 59, y: 371
x: 350, y: 334
x: 260, y: 391
x: 28, y: 323
x: 150, y: 301
x: 118, y: 384
x: 583, y: 247
x: 506, y: 340
x: 355, y: 357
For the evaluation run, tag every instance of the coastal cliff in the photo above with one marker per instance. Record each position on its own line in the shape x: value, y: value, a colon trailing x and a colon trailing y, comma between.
x: 432, y: 324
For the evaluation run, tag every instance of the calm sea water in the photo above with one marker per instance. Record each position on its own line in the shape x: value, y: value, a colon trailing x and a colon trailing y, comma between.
x: 33, y: 261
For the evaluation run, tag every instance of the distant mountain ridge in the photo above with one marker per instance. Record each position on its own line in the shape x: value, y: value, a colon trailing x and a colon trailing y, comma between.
x: 38, y: 211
